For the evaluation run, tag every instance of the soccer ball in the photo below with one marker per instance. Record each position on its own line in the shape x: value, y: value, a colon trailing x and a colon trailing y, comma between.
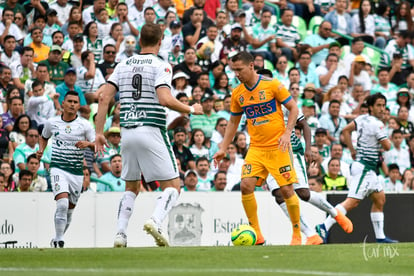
x: 243, y: 235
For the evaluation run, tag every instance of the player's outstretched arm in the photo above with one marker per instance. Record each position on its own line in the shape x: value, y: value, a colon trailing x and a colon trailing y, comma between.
x: 106, y: 92
x: 386, y: 144
x: 166, y: 99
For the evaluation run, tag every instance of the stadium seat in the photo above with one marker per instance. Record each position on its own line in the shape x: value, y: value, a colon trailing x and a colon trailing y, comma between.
x: 300, y: 24
x: 268, y: 65
x: 290, y: 65
x: 374, y: 56
x: 314, y: 24
x: 346, y: 49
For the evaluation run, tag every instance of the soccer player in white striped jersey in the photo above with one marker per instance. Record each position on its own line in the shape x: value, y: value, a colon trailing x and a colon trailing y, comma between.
x: 144, y: 85
x: 71, y: 135
x: 372, y: 136
x: 302, y: 187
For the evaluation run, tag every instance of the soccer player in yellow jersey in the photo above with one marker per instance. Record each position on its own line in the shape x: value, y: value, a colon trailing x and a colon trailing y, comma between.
x: 260, y: 99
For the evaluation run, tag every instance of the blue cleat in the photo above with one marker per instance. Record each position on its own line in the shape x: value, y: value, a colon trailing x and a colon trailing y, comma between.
x: 386, y: 240
x: 322, y: 232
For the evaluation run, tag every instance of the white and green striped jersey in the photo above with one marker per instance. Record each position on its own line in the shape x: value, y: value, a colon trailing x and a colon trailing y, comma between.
x: 370, y: 131
x: 297, y: 146
x: 289, y: 34
x: 392, y: 47
x: 137, y: 79
x: 261, y: 34
x: 65, y: 155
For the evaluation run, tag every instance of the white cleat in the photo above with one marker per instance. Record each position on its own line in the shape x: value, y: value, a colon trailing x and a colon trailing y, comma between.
x: 151, y: 228
x: 120, y: 240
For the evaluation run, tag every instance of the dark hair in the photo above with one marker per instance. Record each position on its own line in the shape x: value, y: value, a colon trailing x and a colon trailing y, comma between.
x: 86, y: 29
x: 148, y: 8
x: 217, y: 173
x: 202, y: 158
x: 193, y: 132
x: 334, y: 158
x: 113, y: 156
x: 357, y: 39
x: 407, y: 18
x: 244, y: 57
x: 393, y: 166
x: 336, y: 144
x: 215, y: 64
x: 373, y: 98
x: 14, y: 98
x: 41, y: 65
x: 180, y: 95
x: 7, y: 9
x: 361, y: 15
x: 396, y: 131
x: 203, y: 73
x: 114, y: 25
x: 85, y: 55
x: 265, y: 72
x: 382, y: 70
x: 7, y: 37
x: 282, y: 11
x: 242, y: 151
x: 16, y: 123
x: 108, y: 45
x: 57, y: 32
x: 31, y: 156
x: 5, y: 67
x: 382, y: 8
x: 219, y: 120
x: 150, y: 34
x: 332, y: 55
x: 71, y: 93
x: 343, y: 77
x: 76, y: 23
x: 37, y: 83
x: 217, y: 82
x: 331, y: 102
x: 24, y: 173
x: 27, y: 49
x: 292, y: 69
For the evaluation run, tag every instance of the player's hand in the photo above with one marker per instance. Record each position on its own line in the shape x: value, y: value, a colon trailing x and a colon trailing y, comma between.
x: 100, y: 143
x: 82, y: 144
x: 198, y: 109
x: 284, y: 141
x: 39, y: 154
x: 353, y: 154
x: 308, y: 156
x: 218, y: 156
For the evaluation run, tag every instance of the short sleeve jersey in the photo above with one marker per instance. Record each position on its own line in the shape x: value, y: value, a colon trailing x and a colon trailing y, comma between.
x: 262, y: 106
x: 370, y: 131
x: 65, y: 155
x: 137, y: 79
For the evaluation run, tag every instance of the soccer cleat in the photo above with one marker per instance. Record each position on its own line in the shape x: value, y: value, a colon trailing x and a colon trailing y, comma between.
x: 57, y: 244
x: 314, y: 240
x: 322, y: 232
x: 386, y: 240
x: 120, y: 240
x: 260, y: 241
x: 296, y: 240
x: 151, y: 228
x: 344, y: 222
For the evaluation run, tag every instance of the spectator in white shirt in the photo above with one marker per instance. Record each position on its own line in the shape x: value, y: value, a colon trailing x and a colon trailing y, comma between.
x: 397, y: 154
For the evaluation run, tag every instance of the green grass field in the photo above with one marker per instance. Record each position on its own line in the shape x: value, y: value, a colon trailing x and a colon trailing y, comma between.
x: 342, y: 259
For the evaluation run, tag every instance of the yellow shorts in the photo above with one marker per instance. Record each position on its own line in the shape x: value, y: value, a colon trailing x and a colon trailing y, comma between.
x: 260, y: 162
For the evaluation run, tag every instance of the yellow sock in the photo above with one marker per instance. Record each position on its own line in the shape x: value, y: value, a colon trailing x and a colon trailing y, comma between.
x: 250, y: 208
x: 292, y: 205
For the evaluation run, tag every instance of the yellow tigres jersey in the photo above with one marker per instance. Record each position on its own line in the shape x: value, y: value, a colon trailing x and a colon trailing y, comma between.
x: 262, y: 106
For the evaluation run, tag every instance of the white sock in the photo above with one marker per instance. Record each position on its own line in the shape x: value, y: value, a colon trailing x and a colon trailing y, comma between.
x: 317, y: 200
x: 377, y: 219
x: 125, y: 210
x: 330, y: 221
x: 304, y: 228
x: 69, y: 219
x: 61, y: 216
x: 164, y: 203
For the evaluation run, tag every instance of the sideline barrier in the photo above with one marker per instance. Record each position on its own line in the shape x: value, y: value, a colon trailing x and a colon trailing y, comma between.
x: 199, y: 218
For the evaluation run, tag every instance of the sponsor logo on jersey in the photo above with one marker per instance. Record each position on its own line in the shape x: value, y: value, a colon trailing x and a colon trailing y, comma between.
x: 259, y: 110
x: 68, y: 129
x: 241, y: 100
x: 262, y: 95
x: 285, y: 169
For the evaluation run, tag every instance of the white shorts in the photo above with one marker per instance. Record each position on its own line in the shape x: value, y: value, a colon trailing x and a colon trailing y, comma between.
x: 300, y: 168
x: 64, y: 182
x: 363, y: 182
x: 147, y: 150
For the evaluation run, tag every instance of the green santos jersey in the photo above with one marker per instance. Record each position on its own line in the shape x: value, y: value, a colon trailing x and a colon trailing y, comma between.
x: 370, y: 131
x: 65, y: 155
x: 297, y: 146
x: 137, y: 79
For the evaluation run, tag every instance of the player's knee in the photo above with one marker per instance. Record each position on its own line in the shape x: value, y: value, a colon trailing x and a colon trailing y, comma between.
x: 62, y: 206
x: 278, y: 196
x: 304, y: 194
x: 246, y: 187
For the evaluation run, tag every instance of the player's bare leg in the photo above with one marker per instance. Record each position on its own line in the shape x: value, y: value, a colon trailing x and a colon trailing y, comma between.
x: 293, y: 207
x: 168, y: 198
x: 250, y: 206
x: 377, y: 217
x: 125, y: 210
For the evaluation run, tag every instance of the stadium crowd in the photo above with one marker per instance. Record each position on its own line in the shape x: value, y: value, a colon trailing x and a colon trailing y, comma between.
x: 320, y: 50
